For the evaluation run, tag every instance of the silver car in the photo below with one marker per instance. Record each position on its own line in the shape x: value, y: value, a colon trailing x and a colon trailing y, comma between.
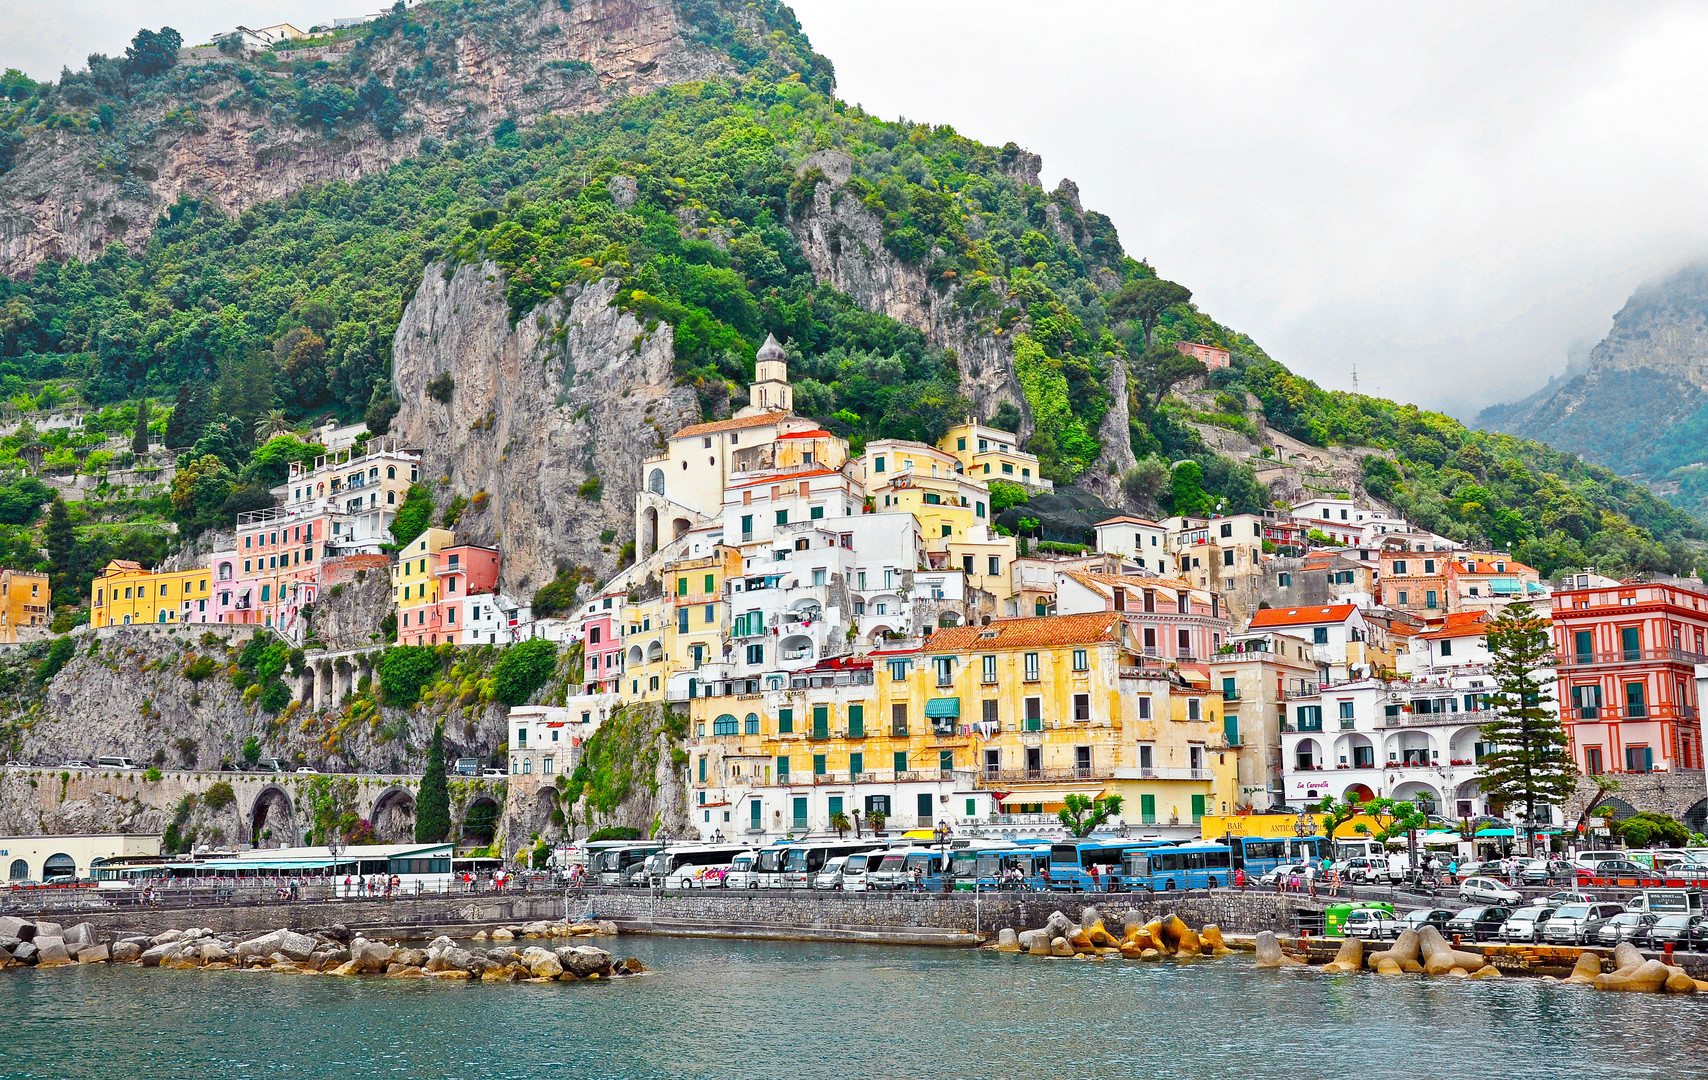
x: 1625, y: 926
x: 1487, y: 891
x: 1526, y: 924
x: 1577, y: 924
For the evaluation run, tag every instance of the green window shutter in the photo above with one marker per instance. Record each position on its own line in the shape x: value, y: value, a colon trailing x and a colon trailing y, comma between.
x: 682, y: 586
x: 901, y: 761
x: 856, y: 764
x: 702, y: 768
x: 972, y: 807
x: 1197, y: 808
x: 782, y: 766
x: 711, y: 585
x: 820, y: 722
x: 856, y: 720
x: 817, y: 513
x: 1147, y: 809
x: 834, y: 805
x: 1230, y: 728
x: 753, y: 814
x: 818, y: 764
x: 945, y: 760
x: 785, y: 721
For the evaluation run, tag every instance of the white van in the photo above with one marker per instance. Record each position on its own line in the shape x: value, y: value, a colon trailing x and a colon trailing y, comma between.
x: 116, y: 763
x: 856, y: 868
x: 740, y: 873
x: 1589, y: 860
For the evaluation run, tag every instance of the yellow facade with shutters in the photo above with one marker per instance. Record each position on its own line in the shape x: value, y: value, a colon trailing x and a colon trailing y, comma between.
x: 697, y: 612
x: 990, y: 454
x: 25, y: 601
x: 414, y: 585
x: 646, y: 664
x: 127, y: 595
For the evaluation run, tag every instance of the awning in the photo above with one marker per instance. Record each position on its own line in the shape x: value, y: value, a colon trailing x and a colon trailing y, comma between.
x: 1050, y: 795
x: 1442, y: 839
x: 1494, y: 832
x: 943, y: 706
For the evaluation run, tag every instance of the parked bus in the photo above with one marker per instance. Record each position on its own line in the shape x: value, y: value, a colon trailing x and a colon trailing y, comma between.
x: 614, y: 864
x: 980, y: 865
x: 682, y: 866
x: 1258, y: 855
x: 891, y: 873
x: 804, y: 861
x: 1071, y: 862
x: 928, y: 867
x: 1189, y: 866
x: 767, y: 870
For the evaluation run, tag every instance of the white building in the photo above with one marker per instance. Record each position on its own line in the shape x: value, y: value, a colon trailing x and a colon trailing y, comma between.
x: 1136, y: 538
x: 546, y: 740
x: 1339, y: 633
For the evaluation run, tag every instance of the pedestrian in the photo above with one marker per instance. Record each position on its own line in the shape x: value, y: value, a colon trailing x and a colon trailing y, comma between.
x: 1093, y: 877
x: 1239, y: 879
x: 1311, y: 879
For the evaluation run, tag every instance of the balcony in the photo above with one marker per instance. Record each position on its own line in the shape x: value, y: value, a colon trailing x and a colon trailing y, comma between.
x: 994, y: 777
x: 1578, y: 660
x: 1309, y: 690
x: 1410, y: 719
x: 1230, y: 695
x: 1143, y: 773
x: 1603, y: 714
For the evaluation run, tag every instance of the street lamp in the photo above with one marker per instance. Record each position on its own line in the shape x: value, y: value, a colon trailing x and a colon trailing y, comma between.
x: 335, y: 848
x: 941, y: 834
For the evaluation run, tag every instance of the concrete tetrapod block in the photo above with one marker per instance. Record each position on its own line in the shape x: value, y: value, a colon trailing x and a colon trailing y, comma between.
x: 1585, y: 971
x: 1132, y: 922
x: 1153, y: 930
x: 1680, y: 983
x: 1089, y: 916
x: 1213, y: 942
x: 1059, y: 925
x: 1439, y: 957
x: 1627, y: 956
x: 1403, y: 952
x: 1007, y: 940
x: 1387, y: 965
x: 1061, y: 947
x: 1487, y: 971
x: 1269, y: 954
x: 1349, y: 958
x: 1647, y: 978
x: 1034, y: 940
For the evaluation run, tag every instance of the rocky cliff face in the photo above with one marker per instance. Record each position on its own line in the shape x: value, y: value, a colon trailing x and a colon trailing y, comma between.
x: 576, y: 391
x: 844, y: 243
x: 64, y: 199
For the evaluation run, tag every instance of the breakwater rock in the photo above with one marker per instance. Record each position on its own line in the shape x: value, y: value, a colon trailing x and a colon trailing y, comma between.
x: 1141, y: 938
x: 331, y: 951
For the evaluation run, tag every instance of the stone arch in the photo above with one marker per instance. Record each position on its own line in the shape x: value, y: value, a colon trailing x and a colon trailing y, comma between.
x: 57, y: 864
x: 649, y: 531
x: 480, y: 819
x: 545, y: 804
x: 795, y: 647
x: 636, y: 657
x: 949, y: 618
x: 1696, y: 818
x: 1621, y: 808
x: 307, y: 685
x: 655, y: 652
x: 678, y: 526
x: 272, y: 818
x: 1308, y: 754
x: 1362, y: 791
x: 876, y: 637
x: 1424, y: 795
x: 326, y: 689
x: 393, y: 816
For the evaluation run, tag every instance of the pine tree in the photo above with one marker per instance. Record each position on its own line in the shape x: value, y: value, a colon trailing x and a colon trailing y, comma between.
x: 433, y: 807
x: 60, y: 539
x: 1530, y: 764
x: 189, y: 415
x: 139, y: 441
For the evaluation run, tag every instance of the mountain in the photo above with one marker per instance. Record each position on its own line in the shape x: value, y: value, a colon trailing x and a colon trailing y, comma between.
x: 1640, y: 404
x: 537, y: 236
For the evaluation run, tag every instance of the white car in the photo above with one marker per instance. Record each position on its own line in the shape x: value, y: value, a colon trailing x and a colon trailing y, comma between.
x: 16, y: 765
x: 492, y: 772
x: 830, y: 878
x: 1487, y: 891
x: 76, y: 765
x: 1282, y: 872
x: 306, y: 769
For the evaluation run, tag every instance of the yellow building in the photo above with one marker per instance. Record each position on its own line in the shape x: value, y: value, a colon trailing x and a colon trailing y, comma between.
x: 988, y: 454
x: 697, y: 610
x: 902, y: 477
x: 646, y: 668
x: 125, y: 595
x: 25, y: 600
x: 415, y: 588
x: 988, y: 561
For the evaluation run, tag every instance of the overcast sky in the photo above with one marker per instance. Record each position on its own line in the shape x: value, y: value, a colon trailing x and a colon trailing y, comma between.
x: 1446, y: 195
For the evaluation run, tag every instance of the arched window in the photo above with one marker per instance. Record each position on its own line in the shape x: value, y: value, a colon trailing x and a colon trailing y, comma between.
x: 391, y: 472
x: 20, y: 870
x: 753, y: 723
x: 655, y: 482
x: 726, y: 725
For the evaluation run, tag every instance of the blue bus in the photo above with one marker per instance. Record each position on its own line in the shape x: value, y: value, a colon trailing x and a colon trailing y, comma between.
x: 1189, y: 866
x: 1071, y: 862
x: 999, y: 864
x: 1259, y: 855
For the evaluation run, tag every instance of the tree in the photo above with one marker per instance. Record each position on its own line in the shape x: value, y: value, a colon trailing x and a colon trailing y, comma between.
x: 839, y: 822
x: 1339, y: 812
x: 139, y: 440
x: 271, y: 424
x: 523, y: 669
x: 433, y: 805
x: 413, y: 516
x: 404, y: 670
x: 1004, y: 494
x: 1530, y: 764
x: 189, y: 413
x: 1143, y: 302
x: 1146, y: 481
x: 1605, y: 786
x: 60, y: 539
x: 1651, y: 830
x: 1187, y: 496
x: 199, y: 492
x: 1162, y: 367
x: 1081, y: 815
x: 153, y: 52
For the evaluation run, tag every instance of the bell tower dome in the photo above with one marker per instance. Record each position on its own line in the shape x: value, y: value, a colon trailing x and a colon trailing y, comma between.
x: 771, y: 390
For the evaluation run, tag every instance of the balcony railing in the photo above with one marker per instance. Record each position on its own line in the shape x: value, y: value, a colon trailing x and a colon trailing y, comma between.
x: 989, y: 777
x: 1607, y: 713
x: 1307, y: 691
x: 1176, y: 773
x: 1576, y: 659
x: 1411, y: 719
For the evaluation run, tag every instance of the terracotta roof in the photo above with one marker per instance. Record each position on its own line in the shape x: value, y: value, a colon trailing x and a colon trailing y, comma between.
x: 1086, y: 629
x: 1306, y: 616
x: 734, y: 423
x: 1461, y: 624
x: 1120, y: 519
x: 775, y: 478
x: 1131, y: 581
x: 1484, y: 564
x: 123, y: 564
x: 815, y: 433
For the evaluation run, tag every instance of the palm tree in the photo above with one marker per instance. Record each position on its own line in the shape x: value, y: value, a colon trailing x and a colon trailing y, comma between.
x: 839, y: 822
x: 271, y: 423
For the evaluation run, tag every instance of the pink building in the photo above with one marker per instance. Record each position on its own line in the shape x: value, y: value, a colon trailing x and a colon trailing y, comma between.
x: 462, y: 576
x: 1212, y: 356
x: 1169, y: 619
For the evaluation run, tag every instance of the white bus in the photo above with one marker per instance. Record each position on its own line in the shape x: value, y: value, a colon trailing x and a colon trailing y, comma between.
x: 804, y: 861
x: 685, y: 866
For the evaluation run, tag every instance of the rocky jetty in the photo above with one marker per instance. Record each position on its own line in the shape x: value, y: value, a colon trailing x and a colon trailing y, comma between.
x: 1139, y: 939
x: 334, y: 950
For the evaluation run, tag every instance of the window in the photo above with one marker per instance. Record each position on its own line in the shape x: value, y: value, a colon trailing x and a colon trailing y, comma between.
x: 898, y: 670
x: 1404, y: 598
x: 898, y: 719
x: 1031, y: 664
x: 752, y: 723
x: 1081, y: 662
x: 856, y: 765
x: 1144, y: 708
x: 756, y: 654
x: 1230, y: 728
x: 1194, y: 709
x: 782, y: 766
x: 878, y: 463
x: 987, y: 673
x: 1587, y: 701
x: 1346, y: 713
x: 782, y: 517
x: 1147, y: 809
x: 725, y: 725
x: 901, y: 761
x: 1639, y: 759
x: 1399, y: 567
x: 1310, y: 717
x: 711, y: 587
x: 990, y: 711
x: 1429, y: 598
x: 818, y: 765
x: 945, y: 765
x: 816, y: 513
x: 1634, y: 703
x: 821, y: 721
x: 1285, y: 580
x: 1446, y: 648
x: 1429, y: 566
x: 856, y: 721
x: 747, y: 526
x: 1631, y: 642
x: 1082, y: 707
x: 785, y: 721
x: 1034, y: 714
x: 1592, y: 761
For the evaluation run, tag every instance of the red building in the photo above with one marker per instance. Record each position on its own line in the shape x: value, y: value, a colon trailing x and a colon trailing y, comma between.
x: 1627, y: 654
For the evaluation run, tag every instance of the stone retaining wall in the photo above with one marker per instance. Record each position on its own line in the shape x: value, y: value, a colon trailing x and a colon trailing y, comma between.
x: 426, y: 913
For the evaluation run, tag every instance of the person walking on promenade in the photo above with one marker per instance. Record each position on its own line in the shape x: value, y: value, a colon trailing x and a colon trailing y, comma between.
x: 1239, y: 879
x: 1093, y: 877
x: 1311, y: 879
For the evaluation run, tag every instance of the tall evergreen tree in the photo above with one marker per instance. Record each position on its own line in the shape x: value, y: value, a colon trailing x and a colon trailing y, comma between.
x: 139, y: 441
x: 189, y: 414
x: 1530, y: 764
x: 60, y: 539
x: 433, y: 806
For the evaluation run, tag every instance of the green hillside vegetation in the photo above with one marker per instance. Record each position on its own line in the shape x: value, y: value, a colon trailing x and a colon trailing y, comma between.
x: 288, y: 310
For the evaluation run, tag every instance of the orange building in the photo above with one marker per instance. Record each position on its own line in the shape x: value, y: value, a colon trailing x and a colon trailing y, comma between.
x: 24, y: 602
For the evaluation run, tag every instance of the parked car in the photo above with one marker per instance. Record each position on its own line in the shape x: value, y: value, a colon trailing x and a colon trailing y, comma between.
x: 1282, y: 872
x: 1625, y: 926
x: 1526, y: 923
x: 1620, y: 873
x: 1488, y: 890
x: 1366, y: 870
x: 1576, y: 924
x: 1372, y: 924
x: 1570, y: 896
x: 16, y: 765
x: 830, y: 878
x: 76, y: 765
x: 1422, y: 917
x: 308, y: 770
x: 492, y: 772
x: 1591, y: 858
x: 1478, y: 923
x: 1685, y: 932
x: 1536, y: 872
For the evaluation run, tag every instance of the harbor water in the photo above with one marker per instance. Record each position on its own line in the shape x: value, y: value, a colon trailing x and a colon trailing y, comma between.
x: 746, y: 1010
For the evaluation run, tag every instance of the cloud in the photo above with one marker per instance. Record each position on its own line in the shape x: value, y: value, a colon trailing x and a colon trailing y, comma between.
x: 1446, y: 196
